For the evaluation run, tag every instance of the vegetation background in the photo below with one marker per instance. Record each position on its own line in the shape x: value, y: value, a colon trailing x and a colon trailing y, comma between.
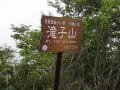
x: 95, y: 67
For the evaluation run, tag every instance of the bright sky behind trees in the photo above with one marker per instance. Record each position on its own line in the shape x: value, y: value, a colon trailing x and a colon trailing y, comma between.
x: 18, y: 12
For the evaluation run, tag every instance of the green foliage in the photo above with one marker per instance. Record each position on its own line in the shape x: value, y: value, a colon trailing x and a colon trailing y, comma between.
x: 96, y: 66
x: 6, y: 66
x: 74, y: 8
x: 35, y: 68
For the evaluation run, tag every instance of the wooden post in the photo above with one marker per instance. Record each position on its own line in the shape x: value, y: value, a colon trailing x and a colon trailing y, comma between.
x: 57, y: 71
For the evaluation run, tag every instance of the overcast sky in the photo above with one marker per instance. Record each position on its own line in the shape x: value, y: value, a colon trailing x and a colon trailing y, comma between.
x: 18, y: 12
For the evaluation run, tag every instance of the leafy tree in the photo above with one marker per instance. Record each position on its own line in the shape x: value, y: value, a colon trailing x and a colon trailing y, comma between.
x: 34, y: 72
x: 6, y: 66
x: 96, y: 67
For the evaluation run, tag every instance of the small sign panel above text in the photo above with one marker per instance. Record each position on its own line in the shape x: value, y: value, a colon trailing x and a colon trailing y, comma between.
x: 60, y: 34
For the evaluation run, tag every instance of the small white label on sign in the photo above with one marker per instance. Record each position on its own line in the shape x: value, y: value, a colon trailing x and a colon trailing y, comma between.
x: 44, y: 47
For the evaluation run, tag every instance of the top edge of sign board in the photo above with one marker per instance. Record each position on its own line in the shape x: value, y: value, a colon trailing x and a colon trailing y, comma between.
x: 69, y: 18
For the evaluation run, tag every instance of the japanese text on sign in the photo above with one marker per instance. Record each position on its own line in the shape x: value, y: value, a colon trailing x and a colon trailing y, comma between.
x: 60, y: 34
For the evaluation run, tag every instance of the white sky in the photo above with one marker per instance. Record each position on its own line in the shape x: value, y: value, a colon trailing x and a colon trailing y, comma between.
x: 18, y: 12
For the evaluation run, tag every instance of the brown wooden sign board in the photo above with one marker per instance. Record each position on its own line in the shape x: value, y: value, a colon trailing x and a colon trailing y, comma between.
x: 60, y: 34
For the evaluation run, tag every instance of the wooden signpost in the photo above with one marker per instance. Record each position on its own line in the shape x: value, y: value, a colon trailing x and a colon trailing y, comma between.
x: 60, y: 34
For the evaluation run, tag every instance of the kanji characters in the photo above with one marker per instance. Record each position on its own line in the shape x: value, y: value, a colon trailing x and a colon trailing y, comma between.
x: 52, y: 31
x: 72, y: 34
x: 62, y: 32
